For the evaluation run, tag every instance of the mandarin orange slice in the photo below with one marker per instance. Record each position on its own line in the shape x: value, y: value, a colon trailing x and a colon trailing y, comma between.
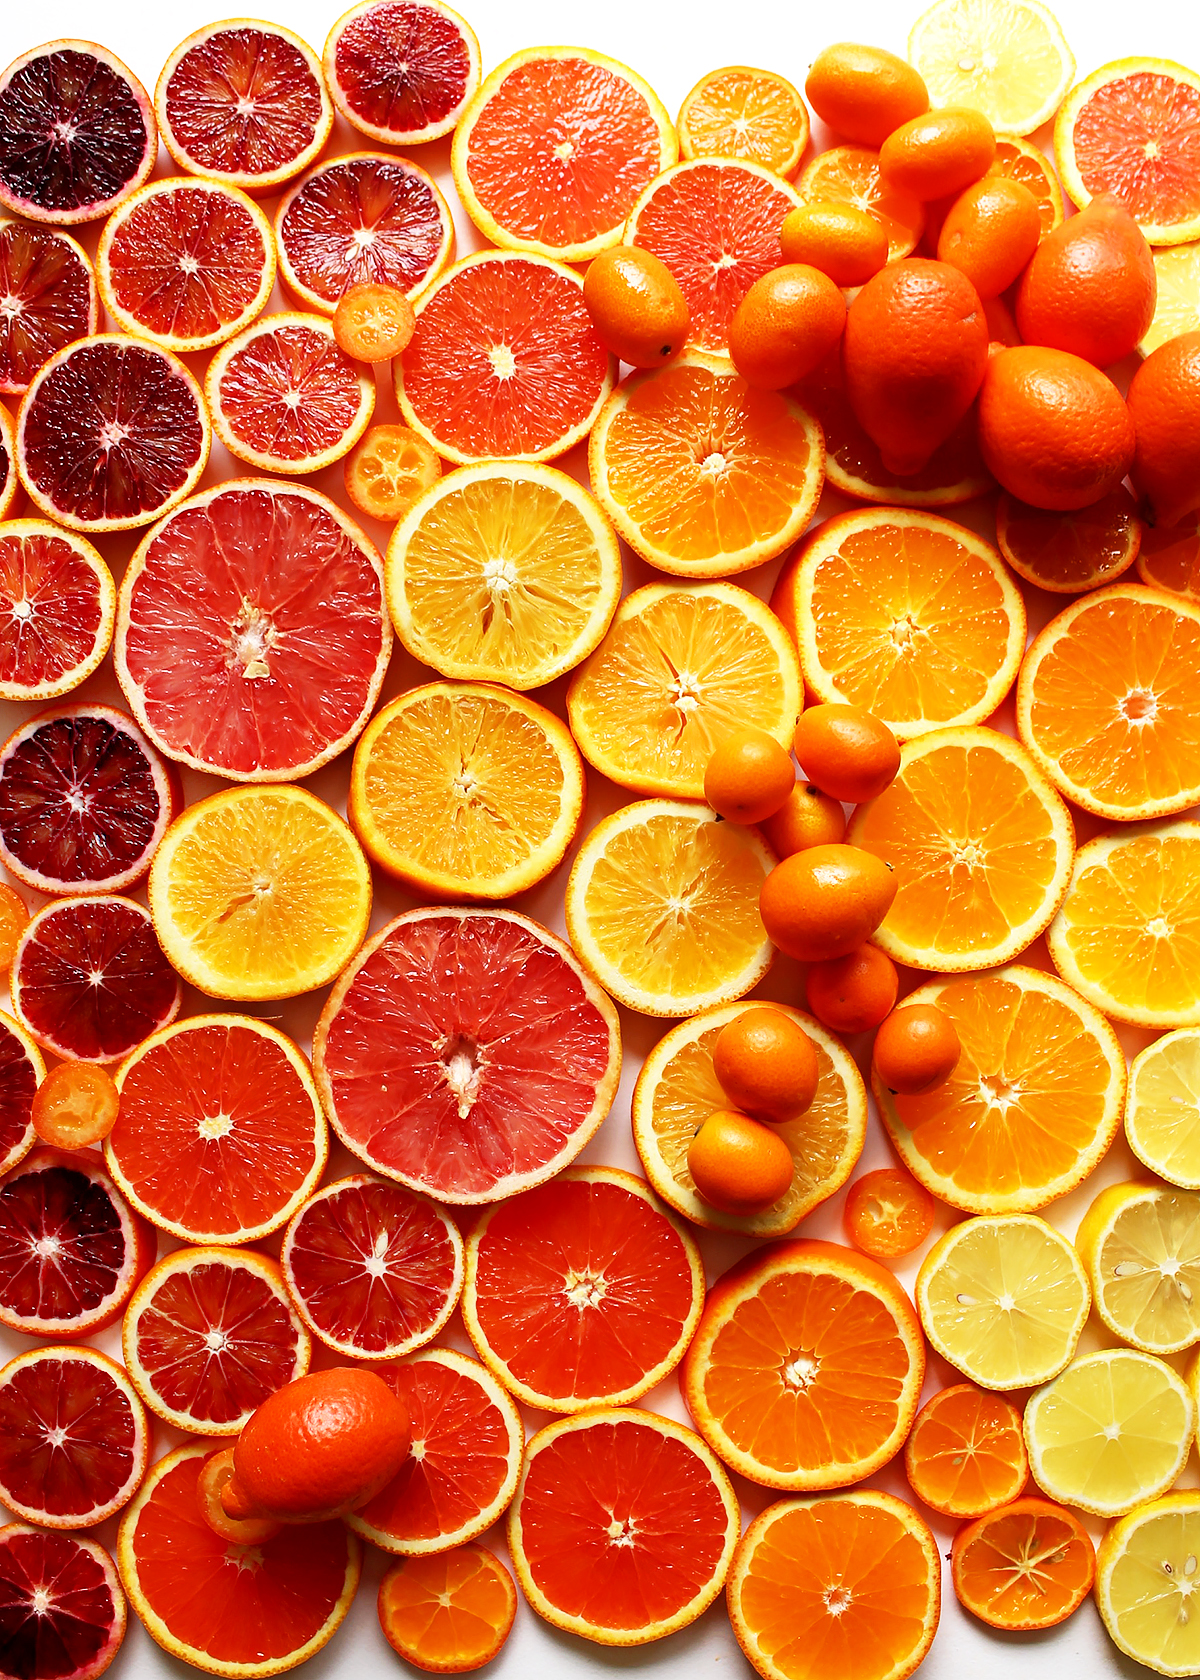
x: 1022, y: 161
x: 1169, y: 557
x: 850, y: 175
x: 753, y: 115
x: 448, y: 1614
x: 1028, y: 1565
x: 966, y: 1454
x: 1067, y: 553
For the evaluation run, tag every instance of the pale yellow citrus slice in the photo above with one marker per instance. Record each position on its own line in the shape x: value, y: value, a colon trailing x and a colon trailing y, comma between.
x: 1145, y: 1583
x: 1177, y: 303
x: 1162, y: 1114
x: 1140, y: 1244
x: 1006, y: 58
x: 738, y: 112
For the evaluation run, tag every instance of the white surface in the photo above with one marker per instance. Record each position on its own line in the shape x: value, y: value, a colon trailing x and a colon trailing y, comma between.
x: 672, y: 46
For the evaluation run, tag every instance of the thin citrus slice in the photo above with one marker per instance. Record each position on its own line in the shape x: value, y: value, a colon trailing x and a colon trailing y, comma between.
x: 1177, y: 303
x: 1164, y: 1100
x: 1169, y: 558
x: 1006, y: 58
x: 64, y: 1609
x: 1033, y: 1104
x: 466, y: 791
x: 703, y: 475
x: 448, y: 1614
x: 279, y: 1602
x: 1145, y: 1571
x: 22, y: 1070
x: 905, y: 614
x: 850, y: 175
x: 981, y: 845
x: 623, y: 1527
x: 466, y: 1054
x: 402, y: 71
x: 260, y: 892
x: 57, y: 608
x: 756, y: 116
x: 1004, y: 1300
x: 50, y: 299
x: 1068, y: 553
x: 966, y: 1454
x: 10, y: 482
x: 1140, y: 1244
x: 1025, y: 1567
x: 1022, y: 161
x: 389, y: 470
x: 554, y: 149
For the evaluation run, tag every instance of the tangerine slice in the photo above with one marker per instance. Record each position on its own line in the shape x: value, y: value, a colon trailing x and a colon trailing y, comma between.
x: 48, y: 1579
x: 10, y: 481
x: 1022, y: 161
x: 47, y: 281
x: 1026, y: 1566
x: 389, y: 470
x: 850, y: 175
x: 1011, y: 61
x: 887, y: 1213
x: 1169, y: 558
x: 57, y: 609
x: 450, y: 1613
x: 1068, y: 553
x: 753, y: 115
x: 966, y: 1455
x: 402, y: 71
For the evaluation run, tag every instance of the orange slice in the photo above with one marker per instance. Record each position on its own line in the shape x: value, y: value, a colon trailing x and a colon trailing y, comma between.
x: 850, y: 175
x: 1022, y: 161
x: 1067, y: 553
x: 402, y: 72
x: 754, y: 115
x: 1027, y: 1566
x: 905, y: 614
x: 9, y: 481
x: 701, y: 474
x: 981, y: 845
x: 1169, y: 557
x: 966, y: 1454
x: 448, y: 1614
x: 58, y: 604
x: 388, y: 470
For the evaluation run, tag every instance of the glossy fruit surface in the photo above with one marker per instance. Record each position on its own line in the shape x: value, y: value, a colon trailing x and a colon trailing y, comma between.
x: 807, y: 817
x: 848, y: 752
x: 847, y: 244
x: 48, y: 279
x: 388, y: 470
x: 825, y: 900
x: 47, y: 1577
x: 738, y: 1165
x: 1152, y: 1631
x: 863, y: 92
x: 739, y: 112
x: 849, y: 175
x: 75, y: 1106
x: 938, y: 153
x: 786, y: 325
x: 748, y: 777
x: 373, y: 322
x: 766, y: 1064
x: 1090, y: 286
x: 58, y: 602
x: 1162, y: 401
x: 402, y: 71
x: 990, y: 233
x: 916, y: 1049
x: 852, y: 994
x: 636, y: 305
x: 1028, y: 1565
x: 888, y: 1214
x: 210, y: 1485
x: 1067, y: 553
x: 1010, y: 62
x: 448, y: 1614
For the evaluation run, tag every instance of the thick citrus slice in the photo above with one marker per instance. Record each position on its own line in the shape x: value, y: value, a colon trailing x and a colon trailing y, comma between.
x: 89, y: 978
x: 466, y: 1054
x: 450, y: 1613
x: 703, y: 475
x: 21, y: 1072
x: 243, y: 102
x: 10, y: 482
x: 850, y: 175
x: 73, y: 1437
x: 252, y: 637
x: 1164, y: 1099
x: 756, y: 116
x: 1177, y: 304
x: 908, y: 615
x: 1022, y: 161
x: 374, y: 1271
x: 1144, y: 1583
x: 1140, y: 1244
x: 1003, y: 1299
x: 111, y: 434
x: 554, y: 149
x: 462, y: 1473
x: 677, y: 1090
x: 260, y: 892
x: 1169, y: 557
x: 1128, y: 933
x: 682, y: 667
x: 623, y: 1527
x: 402, y: 71
x: 64, y: 1609
x: 50, y: 299
x: 57, y: 607
x: 466, y: 791
x: 279, y: 1601
x: 1067, y: 553
x: 388, y: 470
x: 1027, y: 1566
x: 504, y: 361
x: 1006, y: 58
x: 966, y: 1454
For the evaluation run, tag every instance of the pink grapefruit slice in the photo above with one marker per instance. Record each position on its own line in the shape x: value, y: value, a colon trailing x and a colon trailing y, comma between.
x: 57, y: 610
x: 466, y: 1054
x: 21, y: 1072
x: 64, y: 1611
x: 402, y: 71
x: 10, y: 482
x: 50, y: 299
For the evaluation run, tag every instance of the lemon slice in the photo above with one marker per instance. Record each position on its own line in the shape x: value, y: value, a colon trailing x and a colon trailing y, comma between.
x: 1162, y: 1115
x: 1147, y: 1577
x: 1006, y: 58
x: 1140, y: 1245
x: 1177, y: 305
x: 1003, y: 1299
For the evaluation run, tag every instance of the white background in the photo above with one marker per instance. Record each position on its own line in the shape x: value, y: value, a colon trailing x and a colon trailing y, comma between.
x: 672, y: 45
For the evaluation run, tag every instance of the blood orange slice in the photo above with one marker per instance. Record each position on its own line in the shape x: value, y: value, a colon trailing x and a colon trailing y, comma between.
x: 243, y: 102
x: 71, y: 1251
x: 89, y: 978
x: 402, y: 71
x: 252, y: 633
x: 208, y: 1335
x: 220, y: 1134
x: 10, y: 483
x: 64, y: 1611
x: 49, y: 299
x: 462, y: 1472
x: 504, y: 362
x: 582, y: 1292
x: 465, y: 1053
x: 241, y: 1611
x: 57, y: 609
x: 373, y: 1270
x: 21, y: 1072
x: 73, y: 1437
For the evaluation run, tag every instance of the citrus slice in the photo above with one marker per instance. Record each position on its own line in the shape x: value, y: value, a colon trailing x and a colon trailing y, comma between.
x: 260, y: 892
x: 1144, y: 1571
x: 1031, y: 1107
x: 279, y: 1601
x: 682, y: 667
x: 554, y: 149
x: 1140, y: 1244
x: 981, y: 845
x: 905, y: 614
x: 1164, y: 1101
x: 450, y: 1613
x: 1004, y: 1300
x: 374, y: 1271
x: 208, y: 1335
x: 1068, y: 553
x: 57, y: 607
x: 966, y: 1454
x: 50, y: 296
x: 462, y: 1473
x: 504, y: 361
x: 388, y: 470
x: 850, y: 175
x: 623, y: 1527
x: 1169, y: 557
x: 10, y: 482
x: 49, y: 1579
x: 1177, y: 303
x: 1022, y: 161
x: 755, y: 116
x: 22, y: 1070
x: 1128, y: 933
x: 1025, y: 1567
x: 703, y: 475
x: 1006, y: 58
x: 466, y: 791
x: 111, y: 434
x: 402, y: 71
x: 662, y: 907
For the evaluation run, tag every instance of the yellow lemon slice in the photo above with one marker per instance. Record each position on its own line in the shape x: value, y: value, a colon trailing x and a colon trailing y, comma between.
x: 1006, y: 58
x: 1162, y: 1115
x: 1140, y: 1244
x: 1146, y: 1579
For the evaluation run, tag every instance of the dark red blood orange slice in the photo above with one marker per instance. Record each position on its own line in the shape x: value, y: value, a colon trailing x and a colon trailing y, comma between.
x: 252, y: 633
x: 111, y: 434
x: 462, y: 1473
x: 71, y: 1251
x: 77, y: 133
x: 84, y: 801
x: 89, y: 978
x: 57, y: 610
x: 48, y: 299
x: 73, y: 1437
x: 10, y: 483
x: 402, y: 71
x: 373, y: 1270
x: 21, y: 1072
x: 62, y: 1611
x: 244, y: 103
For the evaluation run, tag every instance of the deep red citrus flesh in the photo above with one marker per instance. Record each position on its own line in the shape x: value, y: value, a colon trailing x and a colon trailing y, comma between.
x: 61, y: 1616
x: 71, y: 1442
x: 243, y: 101
x: 361, y: 218
x: 1139, y: 136
x: 291, y: 394
x: 18, y: 1082
x: 8, y: 463
x: 50, y: 608
x: 402, y: 67
x: 50, y: 300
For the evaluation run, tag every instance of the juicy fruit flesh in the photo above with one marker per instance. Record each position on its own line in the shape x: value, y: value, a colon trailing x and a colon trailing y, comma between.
x: 362, y: 219
x: 50, y: 608
x: 47, y: 299
x: 290, y: 394
x: 966, y: 1454
x: 243, y: 101
x: 1139, y: 136
x: 1147, y: 1270
x: 1164, y: 1096
x: 187, y: 263
x: 69, y: 1438
x: 1026, y: 1567
x: 1150, y: 1586
x: 63, y: 1246
x: 62, y: 1613
x: 453, y: 1612
x: 73, y: 134
x: 18, y: 1082
x: 402, y: 67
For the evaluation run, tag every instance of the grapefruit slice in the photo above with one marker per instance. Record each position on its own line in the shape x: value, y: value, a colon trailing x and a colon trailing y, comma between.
x: 50, y: 299
x: 465, y: 1053
x: 57, y: 609
x: 21, y: 1072
x: 64, y: 1609
x: 374, y: 1271
x: 89, y: 979
x: 243, y: 102
x: 73, y: 1437
x: 462, y: 1473
x: 450, y: 1613
x: 245, y: 1612
x: 252, y: 636
x: 10, y: 481
x: 402, y: 71
x: 504, y: 361
x: 850, y: 175
x: 1067, y: 553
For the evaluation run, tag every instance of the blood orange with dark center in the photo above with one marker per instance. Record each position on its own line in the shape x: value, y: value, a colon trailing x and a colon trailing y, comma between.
x: 21, y: 1072
x: 47, y: 299
x: 402, y: 71
x: 466, y: 1054
x: 57, y: 610
x: 62, y: 1611
x: 252, y: 632
x: 9, y: 480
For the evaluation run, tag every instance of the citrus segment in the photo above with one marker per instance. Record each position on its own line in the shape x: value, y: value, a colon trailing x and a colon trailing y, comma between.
x: 450, y: 1613
x: 1164, y: 1100
x: 1067, y: 553
x: 50, y: 297
x: 1140, y: 1244
x: 1006, y: 58
x: 755, y: 116
x: 1144, y: 1583
x: 1177, y: 303
x: 966, y: 1454
x: 1169, y: 558
x: 49, y: 1579
x: 402, y: 71
x: 57, y: 606
x: 1027, y: 1566
x: 850, y: 175
x: 1022, y: 161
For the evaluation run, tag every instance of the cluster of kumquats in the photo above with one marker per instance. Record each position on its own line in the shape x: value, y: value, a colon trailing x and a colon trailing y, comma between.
x: 908, y: 318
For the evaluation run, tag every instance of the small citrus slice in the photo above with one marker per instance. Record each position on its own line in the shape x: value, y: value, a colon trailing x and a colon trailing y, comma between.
x: 1028, y: 1566
x: 1004, y: 1300
x: 10, y: 481
x: 1022, y: 161
x: 1177, y: 303
x: 1144, y: 1588
x: 50, y: 299
x: 1006, y: 58
x: 260, y: 892
x: 388, y: 470
x: 966, y: 1454
x: 448, y: 1614
x: 1164, y: 1100
x: 57, y: 608
x: 1068, y: 553
x: 850, y: 175
x: 21, y: 1072
x: 1140, y: 1245
x: 402, y: 71
x: 1169, y: 557
x: 279, y: 1601
x: 554, y: 149
x: 65, y: 1611
x: 755, y: 116
x: 619, y: 1474
x: 703, y: 475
